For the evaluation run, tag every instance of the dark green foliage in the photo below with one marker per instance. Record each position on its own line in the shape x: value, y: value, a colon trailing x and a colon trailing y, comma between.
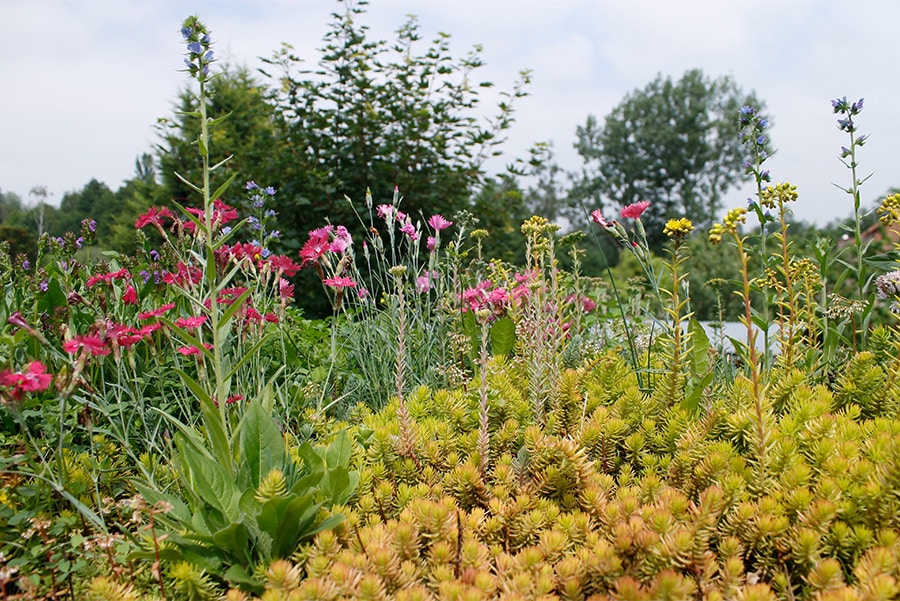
x: 247, y: 135
x: 377, y: 115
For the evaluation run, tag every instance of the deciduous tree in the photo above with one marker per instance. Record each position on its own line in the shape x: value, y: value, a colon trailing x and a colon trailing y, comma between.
x: 674, y: 143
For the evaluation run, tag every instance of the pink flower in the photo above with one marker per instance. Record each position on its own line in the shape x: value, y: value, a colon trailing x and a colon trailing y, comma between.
x: 439, y: 223
x: 423, y: 284
x: 597, y: 217
x: 189, y: 323
x: 34, y: 379
x: 153, y: 216
x: 92, y: 344
x: 431, y: 243
x: 342, y: 240
x: 385, y: 212
x: 193, y: 350
x: 130, y: 296
x: 157, y: 312
x: 339, y: 282
x: 410, y: 231
x: 285, y: 288
x: 316, y: 245
x: 635, y: 210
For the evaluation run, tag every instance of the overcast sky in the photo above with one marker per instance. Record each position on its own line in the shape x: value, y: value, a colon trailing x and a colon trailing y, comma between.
x: 84, y: 81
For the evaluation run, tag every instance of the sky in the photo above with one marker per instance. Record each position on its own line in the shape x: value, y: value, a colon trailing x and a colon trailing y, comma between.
x: 86, y: 80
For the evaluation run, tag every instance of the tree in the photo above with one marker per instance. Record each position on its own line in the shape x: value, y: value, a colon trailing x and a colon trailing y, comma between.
x: 10, y: 206
x: 246, y: 135
x: 134, y: 197
x: 95, y: 201
x: 375, y: 116
x: 673, y: 143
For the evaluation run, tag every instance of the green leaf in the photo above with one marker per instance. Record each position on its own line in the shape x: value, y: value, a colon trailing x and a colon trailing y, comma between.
x: 208, y: 480
x: 237, y: 575
x: 312, y: 459
x: 235, y: 540
x: 885, y: 261
x: 217, y: 120
x: 338, y: 453
x: 212, y: 420
x: 261, y: 445
x: 222, y: 162
x: 700, y: 348
x: 249, y: 354
x: 691, y: 400
x: 188, y: 183
x: 54, y: 297
x: 503, y: 336
x: 232, y: 308
x: 221, y: 189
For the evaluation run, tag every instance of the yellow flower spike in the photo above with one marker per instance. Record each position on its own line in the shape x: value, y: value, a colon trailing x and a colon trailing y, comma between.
x: 889, y: 211
x: 715, y: 234
x: 733, y: 218
x: 779, y: 194
x: 677, y: 229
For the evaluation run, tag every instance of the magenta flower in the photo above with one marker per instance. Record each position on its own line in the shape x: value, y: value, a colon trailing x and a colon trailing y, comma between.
x: 318, y: 242
x: 431, y: 243
x: 339, y: 282
x: 92, y: 344
x: 130, y: 296
x: 193, y: 350
x: 597, y: 217
x: 190, y: 322
x: 439, y: 223
x: 635, y: 210
x: 157, y: 312
x: 34, y: 379
x: 153, y: 216
x: 285, y: 288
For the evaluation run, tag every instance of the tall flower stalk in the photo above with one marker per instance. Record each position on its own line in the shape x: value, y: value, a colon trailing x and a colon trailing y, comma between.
x: 677, y: 230
x: 199, y: 58
x: 753, y: 135
x: 729, y: 226
x: 776, y: 198
x: 847, y: 111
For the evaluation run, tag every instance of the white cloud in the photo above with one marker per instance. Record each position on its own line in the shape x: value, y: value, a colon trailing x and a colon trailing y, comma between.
x: 85, y: 80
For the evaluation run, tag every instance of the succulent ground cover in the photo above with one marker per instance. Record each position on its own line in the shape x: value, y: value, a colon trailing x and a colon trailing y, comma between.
x: 460, y: 428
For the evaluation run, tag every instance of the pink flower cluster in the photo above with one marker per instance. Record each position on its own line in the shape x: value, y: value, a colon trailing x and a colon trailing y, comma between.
x: 33, y: 379
x: 258, y: 257
x: 222, y: 214
x: 485, y: 296
x: 325, y: 239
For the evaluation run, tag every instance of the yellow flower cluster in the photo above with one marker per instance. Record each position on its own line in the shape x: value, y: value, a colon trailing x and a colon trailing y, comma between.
x: 889, y: 211
x: 777, y: 195
x: 729, y: 224
x: 538, y: 226
x: 677, y: 229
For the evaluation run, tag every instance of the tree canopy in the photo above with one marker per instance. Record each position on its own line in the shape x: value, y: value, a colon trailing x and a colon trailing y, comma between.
x: 673, y: 143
